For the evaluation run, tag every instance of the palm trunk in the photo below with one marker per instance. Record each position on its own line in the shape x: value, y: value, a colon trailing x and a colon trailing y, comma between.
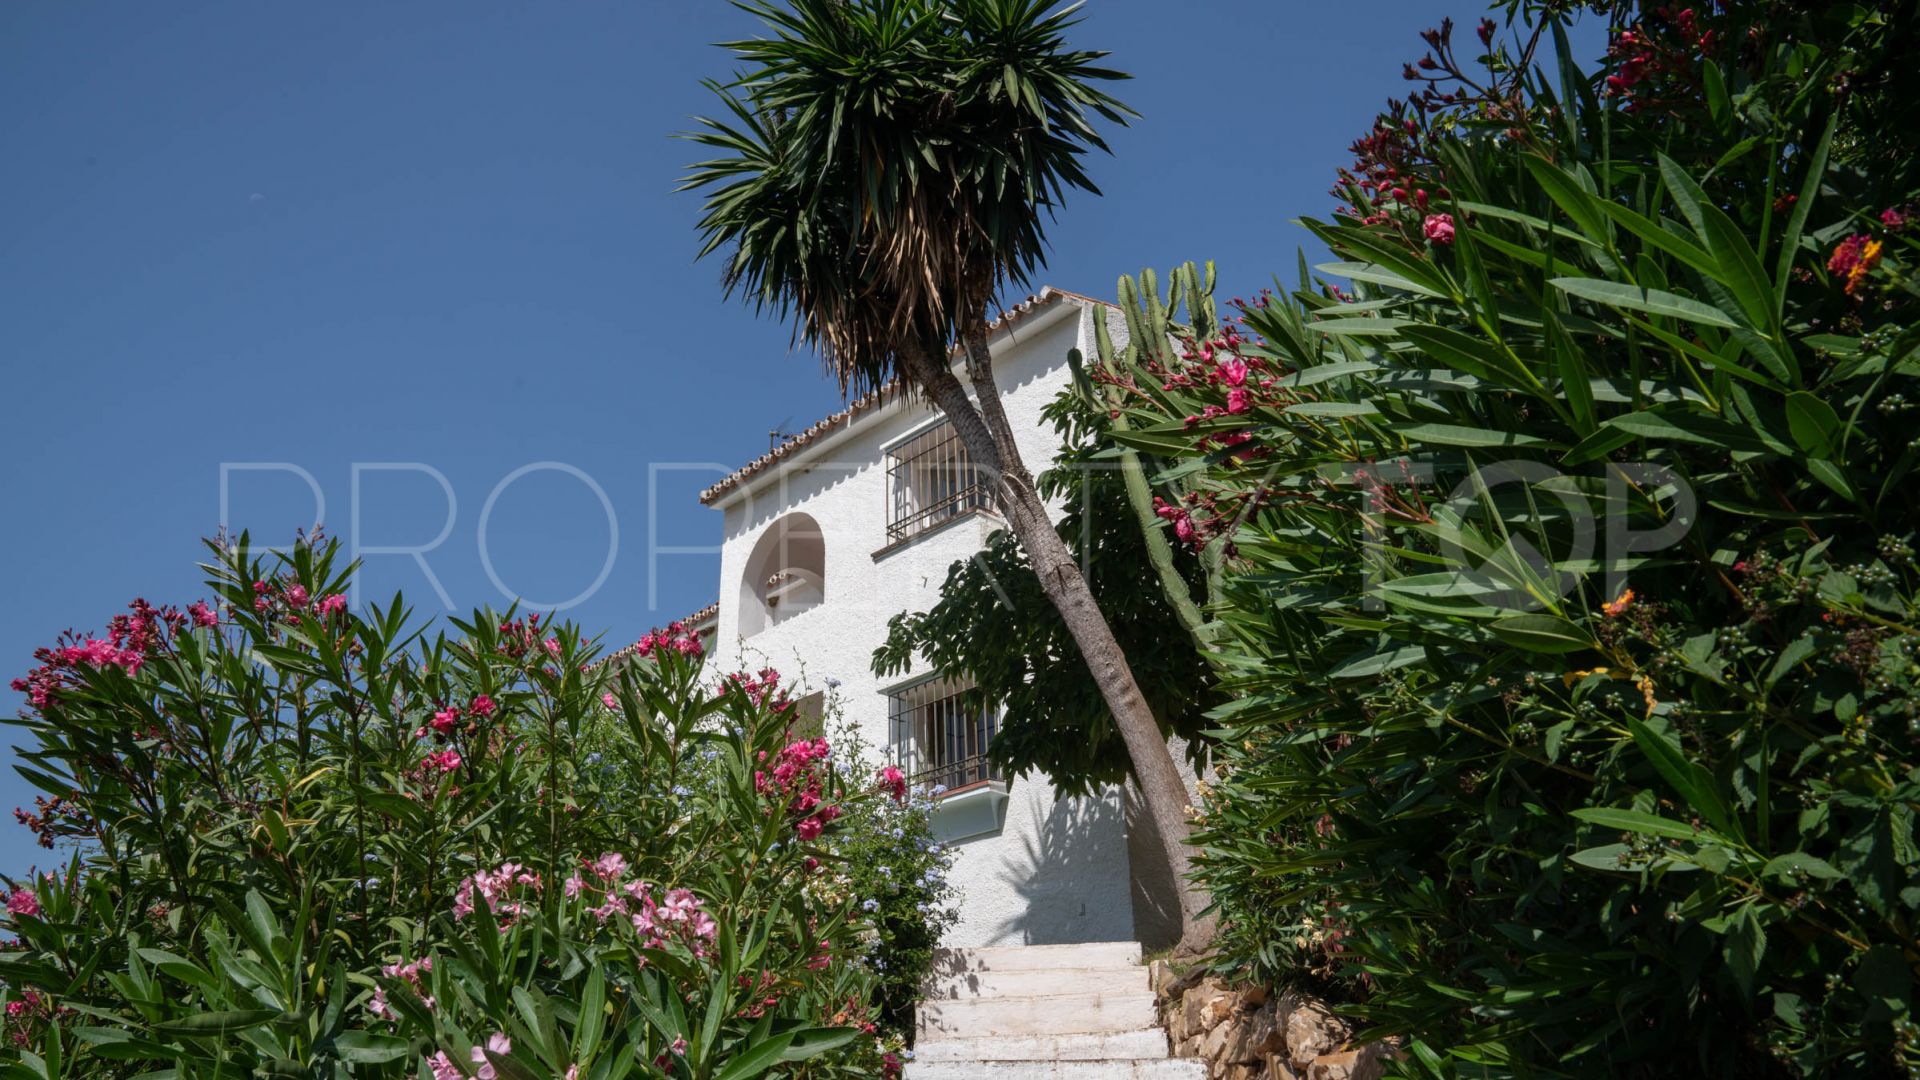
x: 989, y: 440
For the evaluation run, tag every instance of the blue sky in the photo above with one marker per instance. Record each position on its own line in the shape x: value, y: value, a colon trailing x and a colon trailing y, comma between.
x: 445, y: 234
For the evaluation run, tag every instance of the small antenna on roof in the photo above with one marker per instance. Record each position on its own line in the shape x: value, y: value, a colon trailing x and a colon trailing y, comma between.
x: 779, y: 436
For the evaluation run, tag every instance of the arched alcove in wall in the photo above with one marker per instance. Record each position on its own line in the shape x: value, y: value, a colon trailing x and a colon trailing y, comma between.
x: 786, y: 574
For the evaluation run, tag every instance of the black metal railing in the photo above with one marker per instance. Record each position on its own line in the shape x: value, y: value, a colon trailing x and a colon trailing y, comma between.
x: 931, y: 480
x: 956, y: 775
x: 938, y: 740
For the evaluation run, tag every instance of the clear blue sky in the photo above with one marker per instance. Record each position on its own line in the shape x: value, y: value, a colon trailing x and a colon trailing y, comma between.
x: 446, y: 233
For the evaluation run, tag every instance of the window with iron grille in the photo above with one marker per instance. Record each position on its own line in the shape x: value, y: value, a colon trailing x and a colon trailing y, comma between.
x: 937, y: 740
x: 931, y: 480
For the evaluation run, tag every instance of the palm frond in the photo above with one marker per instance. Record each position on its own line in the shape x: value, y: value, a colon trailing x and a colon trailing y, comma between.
x: 886, y: 164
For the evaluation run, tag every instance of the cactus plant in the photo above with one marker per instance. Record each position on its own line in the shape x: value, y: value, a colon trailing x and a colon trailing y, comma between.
x: 1151, y: 336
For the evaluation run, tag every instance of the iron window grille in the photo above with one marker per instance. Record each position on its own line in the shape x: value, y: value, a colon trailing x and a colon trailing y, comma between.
x: 937, y: 740
x: 931, y: 480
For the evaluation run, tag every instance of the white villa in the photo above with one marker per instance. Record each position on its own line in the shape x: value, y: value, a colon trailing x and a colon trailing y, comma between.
x: 857, y: 519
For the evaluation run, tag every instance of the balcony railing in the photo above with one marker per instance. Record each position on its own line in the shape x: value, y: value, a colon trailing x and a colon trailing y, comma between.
x: 938, y: 741
x: 931, y: 480
x: 956, y: 775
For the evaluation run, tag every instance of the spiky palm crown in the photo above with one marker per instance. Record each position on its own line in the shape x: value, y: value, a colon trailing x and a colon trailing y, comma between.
x: 885, y: 165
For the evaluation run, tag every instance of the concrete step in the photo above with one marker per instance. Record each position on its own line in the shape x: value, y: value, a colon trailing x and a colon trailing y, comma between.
x: 1033, y: 982
x: 1123, y: 1069
x: 1096, y: 1046
x: 1121, y: 1009
x: 1098, y: 954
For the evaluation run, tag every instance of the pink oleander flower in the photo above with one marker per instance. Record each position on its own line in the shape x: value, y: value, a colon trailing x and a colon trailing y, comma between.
x: 482, y: 706
x: 573, y: 886
x: 680, y: 1046
x: 1176, y: 514
x: 610, y: 866
x: 443, y: 1068
x: 1893, y: 217
x: 553, y: 646
x: 1846, y: 255
x: 894, y: 782
x: 445, y: 760
x: 1438, y: 228
x: 1233, y: 371
x: 297, y: 595
x: 498, y: 887
x: 23, y: 902
x: 679, y: 905
x: 202, y: 614
x: 499, y: 1044
x: 678, y: 636
x: 331, y: 605
x: 1239, y: 401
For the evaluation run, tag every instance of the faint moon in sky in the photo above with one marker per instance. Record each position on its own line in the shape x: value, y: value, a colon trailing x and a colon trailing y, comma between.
x: 256, y: 198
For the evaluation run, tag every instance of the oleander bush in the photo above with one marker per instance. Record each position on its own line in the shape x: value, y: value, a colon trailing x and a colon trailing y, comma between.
x: 1569, y: 604
x: 305, y: 841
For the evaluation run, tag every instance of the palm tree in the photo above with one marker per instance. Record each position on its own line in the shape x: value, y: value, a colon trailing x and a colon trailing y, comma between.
x: 884, y: 169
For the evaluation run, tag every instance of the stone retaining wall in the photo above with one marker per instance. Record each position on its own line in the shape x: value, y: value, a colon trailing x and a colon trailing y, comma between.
x: 1247, y: 1033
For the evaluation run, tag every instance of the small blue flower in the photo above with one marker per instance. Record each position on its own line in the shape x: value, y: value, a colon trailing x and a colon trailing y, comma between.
x: 682, y: 790
x: 870, y: 905
x: 833, y: 684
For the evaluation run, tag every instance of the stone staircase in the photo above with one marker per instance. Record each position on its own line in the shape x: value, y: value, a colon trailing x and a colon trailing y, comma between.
x: 1043, y: 1012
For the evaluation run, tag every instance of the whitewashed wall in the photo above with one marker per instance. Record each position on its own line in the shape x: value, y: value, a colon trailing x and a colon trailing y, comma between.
x: 1058, y: 870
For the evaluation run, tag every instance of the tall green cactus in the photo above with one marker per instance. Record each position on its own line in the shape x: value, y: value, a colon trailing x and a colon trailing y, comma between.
x: 1151, y: 335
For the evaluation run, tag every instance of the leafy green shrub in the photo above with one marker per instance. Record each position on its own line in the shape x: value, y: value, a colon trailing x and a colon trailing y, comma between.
x: 1570, y: 609
x: 886, y: 857
x: 309, y: 842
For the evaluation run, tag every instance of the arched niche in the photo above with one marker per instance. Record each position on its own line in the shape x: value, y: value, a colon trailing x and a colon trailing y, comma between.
x: 786, y: 574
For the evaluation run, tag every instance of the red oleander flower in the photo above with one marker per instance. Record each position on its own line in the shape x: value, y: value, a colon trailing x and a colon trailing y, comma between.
x: 1853, y: 259
x: 894, y: 782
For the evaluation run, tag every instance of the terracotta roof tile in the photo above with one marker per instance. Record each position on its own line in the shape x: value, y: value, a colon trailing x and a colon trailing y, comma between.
x: 873, y: 399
